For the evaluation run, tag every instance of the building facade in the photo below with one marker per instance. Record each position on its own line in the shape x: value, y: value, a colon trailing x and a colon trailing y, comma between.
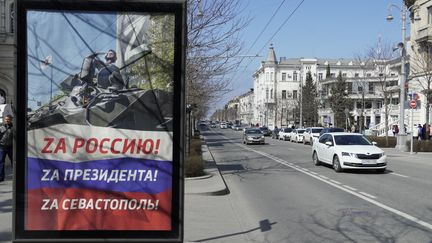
x: 7, y: 51
x: 278, y: 88
x: 246, y: 102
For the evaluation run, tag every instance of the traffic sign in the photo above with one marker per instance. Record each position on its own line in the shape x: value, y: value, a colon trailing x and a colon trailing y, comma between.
x: 413, y: 104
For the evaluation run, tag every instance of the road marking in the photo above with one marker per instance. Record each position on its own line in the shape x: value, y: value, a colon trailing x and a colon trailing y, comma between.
x: 325, y: 177
x: 344, y: 188
x: 367, y: 195
x: 336, y: 182
x: 396, y: 174
x: 314, y: 173
x: 351, y: 188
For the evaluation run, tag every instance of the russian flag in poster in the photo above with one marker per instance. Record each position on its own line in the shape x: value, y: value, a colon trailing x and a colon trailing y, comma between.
x: 98, y: 178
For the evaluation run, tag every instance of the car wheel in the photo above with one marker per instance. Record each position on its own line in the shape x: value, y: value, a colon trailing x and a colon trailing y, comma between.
x: 336, y: 164
x: 381, y: 171
x: 315, y: 159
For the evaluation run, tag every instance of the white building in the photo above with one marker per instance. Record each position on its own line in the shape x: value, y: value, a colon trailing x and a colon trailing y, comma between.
x: 246, y: 103
x: 420, y: 58
x: 278, y: 84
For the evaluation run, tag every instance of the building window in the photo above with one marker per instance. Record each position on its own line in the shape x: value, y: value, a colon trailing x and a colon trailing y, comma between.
x: 271, y: 76
x: 368, y: 75
x: 356, y: 75
x: 283, y: 76
x: 11, y: 18
x: 371, y: 89
x: 294, y: 94
x: 344, y: 74
x: 284, y: 94
x: 267, y: 77
x: 429, y: 9
x: 360, y: 89
x: 295, y: 76
x: 320, y: 76
x: 267, y: 93
x: 271, y: 94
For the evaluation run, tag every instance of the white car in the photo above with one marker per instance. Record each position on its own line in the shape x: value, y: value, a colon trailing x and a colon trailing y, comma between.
x: 284, y: 133
x: 310, y: 134
x: 223, y: 125
x: 348, y: 151
x: 297, y: 135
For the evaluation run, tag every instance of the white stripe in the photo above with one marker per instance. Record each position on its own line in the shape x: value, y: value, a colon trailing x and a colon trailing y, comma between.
x: 396, y: 174
x: 324, y: 177
x: 367, y: 195
x: 348, y: 190
x: 351, y: 188
x: 336, y: 182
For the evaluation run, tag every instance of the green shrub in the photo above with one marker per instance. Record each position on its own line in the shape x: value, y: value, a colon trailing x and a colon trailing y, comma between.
x: 381, y: 141
x: 194, y: 163
x: 421, y: 145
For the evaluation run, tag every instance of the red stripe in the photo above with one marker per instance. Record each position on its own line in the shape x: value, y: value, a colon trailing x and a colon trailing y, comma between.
x: 93, y: 219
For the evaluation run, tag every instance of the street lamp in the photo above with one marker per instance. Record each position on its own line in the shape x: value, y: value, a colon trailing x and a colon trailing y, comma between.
x: 401, y: 137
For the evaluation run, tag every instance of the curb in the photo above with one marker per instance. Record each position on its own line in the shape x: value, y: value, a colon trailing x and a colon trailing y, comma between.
x: 211, y: 184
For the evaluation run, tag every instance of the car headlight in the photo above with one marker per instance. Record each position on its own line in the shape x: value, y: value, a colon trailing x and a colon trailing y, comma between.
x: 349, y: 154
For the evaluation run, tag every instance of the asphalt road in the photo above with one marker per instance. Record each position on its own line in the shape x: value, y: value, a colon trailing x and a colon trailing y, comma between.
x: 277, y: 187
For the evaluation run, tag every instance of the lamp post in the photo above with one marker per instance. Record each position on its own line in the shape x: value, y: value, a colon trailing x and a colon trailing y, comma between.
x: 402, y: 136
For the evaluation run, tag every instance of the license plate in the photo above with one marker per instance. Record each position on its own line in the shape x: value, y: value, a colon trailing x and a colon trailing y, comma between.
x: 368, y: 162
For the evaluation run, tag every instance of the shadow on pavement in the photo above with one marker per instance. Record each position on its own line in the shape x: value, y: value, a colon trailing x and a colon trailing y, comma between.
x: 264, y: 225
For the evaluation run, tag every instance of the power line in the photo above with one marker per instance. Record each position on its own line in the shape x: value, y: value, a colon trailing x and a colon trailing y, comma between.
x: 277, y: 31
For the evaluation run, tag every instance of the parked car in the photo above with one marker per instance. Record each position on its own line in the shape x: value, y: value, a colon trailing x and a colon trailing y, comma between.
x: 253, y: 135
x: 348, y: 151
x: 284, y: 133
x: 275, y: 133
x: 311, y: 133
x: 297, y: 135
x: 229, y: 124
x: 265, y: 131
x: 331, y: 129
x: 223, y: 125
x: 236, y: 127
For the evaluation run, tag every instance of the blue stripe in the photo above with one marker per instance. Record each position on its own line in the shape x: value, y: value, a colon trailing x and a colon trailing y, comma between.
x: 160, y: 183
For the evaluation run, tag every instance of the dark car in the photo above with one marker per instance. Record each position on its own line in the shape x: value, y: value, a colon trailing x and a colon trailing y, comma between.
x: 331, y: 129
x: 275, y: 133
x: 265, y: 131
x: 253, y: 135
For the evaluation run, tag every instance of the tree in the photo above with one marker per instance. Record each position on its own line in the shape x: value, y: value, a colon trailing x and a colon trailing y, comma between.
x: 309, y: 101
x: 328, y: 73
x: 213, y: 40
x: 421, y: 75
x: 339, y: 100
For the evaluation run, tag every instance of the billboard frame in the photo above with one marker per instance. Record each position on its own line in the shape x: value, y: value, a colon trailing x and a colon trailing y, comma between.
x: 20, y: 234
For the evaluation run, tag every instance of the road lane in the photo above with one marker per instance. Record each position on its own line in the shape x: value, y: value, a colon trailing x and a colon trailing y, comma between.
x: 248, y: 171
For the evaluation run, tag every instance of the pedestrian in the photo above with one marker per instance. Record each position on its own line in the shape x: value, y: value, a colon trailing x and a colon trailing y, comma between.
x: 6, y: 144
x: 395, y: 129
x: 425, y: 135
x: 420, y: 132
x: 353, y: 128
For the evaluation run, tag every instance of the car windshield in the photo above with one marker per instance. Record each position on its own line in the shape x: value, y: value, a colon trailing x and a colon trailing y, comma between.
x: 351, y: 140
x: 300, y: 131
x: 316, y: 130
x: 253, y: 131
x: 287, y: 130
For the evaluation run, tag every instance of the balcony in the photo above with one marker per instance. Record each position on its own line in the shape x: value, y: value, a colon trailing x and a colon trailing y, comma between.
x: 424, y: 35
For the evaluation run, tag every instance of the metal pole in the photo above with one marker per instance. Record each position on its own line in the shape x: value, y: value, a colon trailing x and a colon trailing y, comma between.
x: 51, y: 88
x: 403, y: 76
x: 412, y: 130
x: 301, y: 100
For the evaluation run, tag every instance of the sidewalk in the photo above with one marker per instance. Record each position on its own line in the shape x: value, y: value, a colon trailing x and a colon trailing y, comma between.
x: 6, y: 205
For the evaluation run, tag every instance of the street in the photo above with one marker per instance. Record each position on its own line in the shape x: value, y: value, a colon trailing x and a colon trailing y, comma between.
x: 278, y: 195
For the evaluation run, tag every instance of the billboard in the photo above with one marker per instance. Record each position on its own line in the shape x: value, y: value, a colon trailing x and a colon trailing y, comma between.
x: 99, y: 145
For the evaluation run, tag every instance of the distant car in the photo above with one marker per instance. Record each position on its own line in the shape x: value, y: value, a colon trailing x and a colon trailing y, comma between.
x: 331, y: 129
x: 223, y: 125
x: 297, y: 135
x: 253, y: 135
x: 311, y: 133
x: 236, y: 127
x: 265, y: 131
x: 284, y: 133
x: 348, y: 151
x: 275, y: 133
x: 229, y: 124
x: 213, y: 125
